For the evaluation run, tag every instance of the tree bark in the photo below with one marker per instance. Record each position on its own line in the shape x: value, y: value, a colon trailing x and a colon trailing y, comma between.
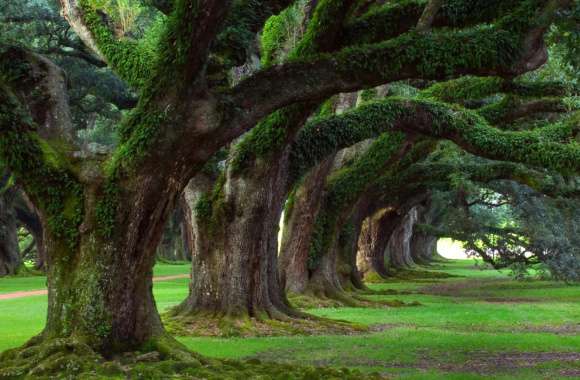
x: 376, y: 232
x: 10, y: 260
x: 423, y: 245
x: 299, y: 221
x: 234, y: 263
x: 351, y: 278
x: 399, y: 246
x: 100, y: 289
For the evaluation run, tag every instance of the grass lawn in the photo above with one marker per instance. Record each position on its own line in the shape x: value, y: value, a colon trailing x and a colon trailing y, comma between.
x: 479, y: 325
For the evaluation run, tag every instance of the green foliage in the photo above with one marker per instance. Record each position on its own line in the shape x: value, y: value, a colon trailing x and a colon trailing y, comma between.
x: 280, y: 34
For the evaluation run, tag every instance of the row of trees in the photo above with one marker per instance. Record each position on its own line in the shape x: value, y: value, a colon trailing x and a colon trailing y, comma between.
x: 335, y: 120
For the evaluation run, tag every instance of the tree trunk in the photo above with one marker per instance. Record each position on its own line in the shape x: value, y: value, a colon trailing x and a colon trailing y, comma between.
x: 100, y: 299
x: 10, y: 260
x: 399, y: 246
x: 336, y: 269
x: 299, y: 219
x: 423, y: 245
x: 376, y: 232
x: 102, y: 288
x: 350, y: 276
x: 234, y: 263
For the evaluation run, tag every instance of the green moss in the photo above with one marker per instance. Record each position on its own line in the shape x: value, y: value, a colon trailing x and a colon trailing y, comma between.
x: 211, y: 207
x: 344, y: 187
x: 46, y: 176
x: 266, y: 137
x: 138, y: 134
x: 463, y: 89
x: 279, y: 127
x: 125, y: 57
x: 275, y: 33
x: 107, y: 207
x: 394, y: 18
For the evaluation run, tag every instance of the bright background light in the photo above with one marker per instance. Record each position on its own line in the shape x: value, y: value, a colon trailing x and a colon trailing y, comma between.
x: 451, y: 249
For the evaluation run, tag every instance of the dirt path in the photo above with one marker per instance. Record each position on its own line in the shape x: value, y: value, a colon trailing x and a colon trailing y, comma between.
x: 30, y: 293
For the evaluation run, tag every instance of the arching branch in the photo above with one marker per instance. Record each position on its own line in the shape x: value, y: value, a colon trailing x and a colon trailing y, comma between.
x: 541, y: 147
x: 498, y: 50
x: 124, y: 56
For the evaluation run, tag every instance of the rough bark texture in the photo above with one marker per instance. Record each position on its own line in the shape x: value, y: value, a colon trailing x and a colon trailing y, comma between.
x: 298, y: 227
x: 423, y: 245
x: 351, y: 278
x: 375, y: 234
x: 234, y: 266
x: 105, y: 294
x: 399, y: 246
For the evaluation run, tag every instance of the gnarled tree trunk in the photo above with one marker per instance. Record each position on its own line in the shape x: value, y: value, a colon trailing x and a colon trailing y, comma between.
x: 234, y: 261
x: 299, y: 219
x: 423, y: 245
x: 100, y: 284
x: 399, y: 246
x: 375, y: 234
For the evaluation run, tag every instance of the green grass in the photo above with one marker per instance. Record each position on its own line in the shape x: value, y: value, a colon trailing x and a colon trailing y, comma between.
x: 468, y: 327
x: 23, y: 283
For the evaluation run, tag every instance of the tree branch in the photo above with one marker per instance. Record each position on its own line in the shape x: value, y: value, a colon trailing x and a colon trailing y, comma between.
x: 428, y: 16
x: 132, y: 64
x: 42, y: 88
x: 432, y: 56
x: 466, y: 128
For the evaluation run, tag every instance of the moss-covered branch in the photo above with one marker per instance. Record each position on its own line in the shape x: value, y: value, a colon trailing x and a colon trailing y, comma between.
x: 469, y: 88
x: 126, y: 57
x: 244, y: 20
x: 511, y: 46
x: 280, y: 127
x: 44, y: 172
x: 541, y: 147
x: 395, y: 18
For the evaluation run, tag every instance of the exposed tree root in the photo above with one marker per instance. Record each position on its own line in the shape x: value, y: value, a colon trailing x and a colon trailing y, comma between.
x: 70, y: 358
x: 208, y: 324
